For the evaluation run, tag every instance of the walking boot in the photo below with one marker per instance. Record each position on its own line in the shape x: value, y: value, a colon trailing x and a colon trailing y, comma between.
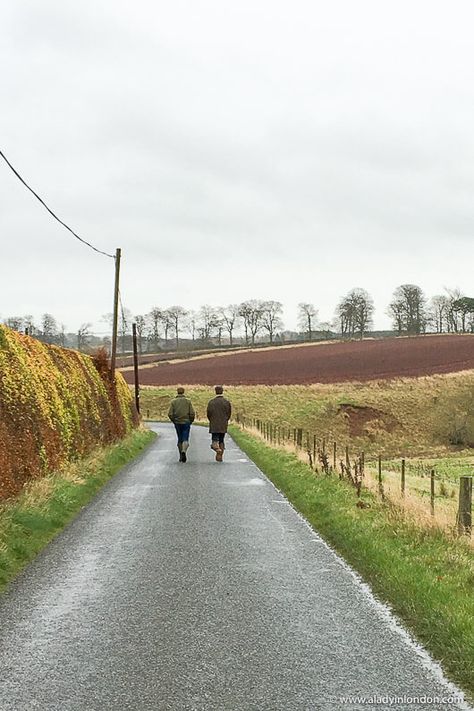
x: 184, y: 448
x: 219, y: 454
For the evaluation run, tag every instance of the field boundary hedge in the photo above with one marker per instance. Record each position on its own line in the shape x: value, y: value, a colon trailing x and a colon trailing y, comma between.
x: 56, y: 405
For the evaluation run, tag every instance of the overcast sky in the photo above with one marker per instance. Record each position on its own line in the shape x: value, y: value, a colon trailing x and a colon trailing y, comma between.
x: 235, y: 149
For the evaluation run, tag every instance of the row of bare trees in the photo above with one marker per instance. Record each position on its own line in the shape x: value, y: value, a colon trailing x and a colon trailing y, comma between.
x: 50, y: 331
x: 413, y: 313
x: 410, y: 310
x: 209, y: 323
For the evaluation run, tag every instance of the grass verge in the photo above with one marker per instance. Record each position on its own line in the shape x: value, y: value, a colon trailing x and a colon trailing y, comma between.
x: 30, y: 520
x: 426, y: 578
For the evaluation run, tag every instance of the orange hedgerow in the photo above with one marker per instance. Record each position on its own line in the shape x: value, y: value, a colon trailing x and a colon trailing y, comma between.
x: 55, y: 406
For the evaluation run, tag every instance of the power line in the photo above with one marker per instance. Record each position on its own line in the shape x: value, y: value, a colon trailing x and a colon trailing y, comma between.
x: 51, y: 212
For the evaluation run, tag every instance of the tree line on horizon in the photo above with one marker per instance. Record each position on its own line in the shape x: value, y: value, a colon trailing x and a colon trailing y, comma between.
x: 258, y: 320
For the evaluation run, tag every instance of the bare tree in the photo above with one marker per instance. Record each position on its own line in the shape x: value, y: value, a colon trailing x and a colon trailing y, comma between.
x: 251, y: 312
x: 167, y: 323
x: 83, y: 336
x: 49, y: 328
x: 438, y: 312
x: 62, y: 336
x: 271, y: 317
x: 408, y: 309
x: 155, y: 318
x: 363, y: 306
x: 29, y: 324
x: 355, y: 312
x: 453, y: 323
x: 230, y: 317
x: 192, y: 321
x: 307, y: 315
x: 175, y: 315
x: 208, y: 322
x: 15, y: 322
x: 219, y: 327
x: 140, y: 323
x: 124, y: 326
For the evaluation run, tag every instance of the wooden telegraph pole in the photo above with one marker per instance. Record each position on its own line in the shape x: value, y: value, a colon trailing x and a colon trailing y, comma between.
x: 118, y: 254
x: 135, y: 367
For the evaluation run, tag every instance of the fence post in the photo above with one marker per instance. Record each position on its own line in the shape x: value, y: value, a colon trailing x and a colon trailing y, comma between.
x: 348, y: 461
x: 334, y: 456
x: 300, y: 437
x: 432, y: 491
x: 465, y: 506
x: 403, y: 478
x: 381, y: 492
x: 362, y: 463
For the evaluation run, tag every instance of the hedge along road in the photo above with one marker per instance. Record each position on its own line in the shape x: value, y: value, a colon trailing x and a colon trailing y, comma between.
x: 197, y: 586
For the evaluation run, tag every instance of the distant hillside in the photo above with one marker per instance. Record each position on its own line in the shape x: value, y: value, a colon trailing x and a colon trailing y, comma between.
x: 320, y: 363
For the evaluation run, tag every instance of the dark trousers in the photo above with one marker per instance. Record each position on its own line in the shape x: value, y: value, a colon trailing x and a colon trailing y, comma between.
x: 182, y: 430
x: 218, y: 437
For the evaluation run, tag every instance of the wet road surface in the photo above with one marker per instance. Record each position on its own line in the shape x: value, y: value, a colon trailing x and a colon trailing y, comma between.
x: 197, y: 586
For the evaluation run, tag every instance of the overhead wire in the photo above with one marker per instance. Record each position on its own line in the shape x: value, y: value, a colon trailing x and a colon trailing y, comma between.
x: 99, y: 251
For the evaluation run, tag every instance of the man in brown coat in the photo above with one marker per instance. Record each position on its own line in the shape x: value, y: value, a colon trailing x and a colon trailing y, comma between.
x: 218, y: 413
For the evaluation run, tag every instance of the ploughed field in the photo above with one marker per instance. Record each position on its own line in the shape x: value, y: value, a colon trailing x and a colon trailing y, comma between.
x: 320, y: 363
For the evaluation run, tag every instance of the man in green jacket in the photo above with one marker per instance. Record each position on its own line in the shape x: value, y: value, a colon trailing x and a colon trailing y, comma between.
x: 181, y: 414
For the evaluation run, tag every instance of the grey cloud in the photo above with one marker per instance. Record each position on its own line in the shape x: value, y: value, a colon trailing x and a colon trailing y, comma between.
x: 310, y: 146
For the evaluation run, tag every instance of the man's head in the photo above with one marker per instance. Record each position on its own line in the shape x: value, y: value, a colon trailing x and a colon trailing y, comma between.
x: 219, y: 389
x: 180, y: 391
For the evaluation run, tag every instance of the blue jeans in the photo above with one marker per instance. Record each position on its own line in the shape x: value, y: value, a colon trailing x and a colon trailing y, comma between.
x: 182, y: 431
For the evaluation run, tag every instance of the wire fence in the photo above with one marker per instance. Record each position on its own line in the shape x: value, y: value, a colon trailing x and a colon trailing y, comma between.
x: 432, y: 498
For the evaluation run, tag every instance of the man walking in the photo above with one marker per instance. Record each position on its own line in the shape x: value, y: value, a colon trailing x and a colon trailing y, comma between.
x: 181, y: 414
x: 218, y: 413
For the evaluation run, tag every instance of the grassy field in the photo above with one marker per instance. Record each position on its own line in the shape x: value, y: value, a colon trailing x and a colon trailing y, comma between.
x: 30, y: 520
x: 426, y: 578
x: 413, y: 417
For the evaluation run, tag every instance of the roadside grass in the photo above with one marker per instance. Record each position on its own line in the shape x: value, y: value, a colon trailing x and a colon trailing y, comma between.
x: 425, y: 577
x: 430, y: 416
x: 29, y: 521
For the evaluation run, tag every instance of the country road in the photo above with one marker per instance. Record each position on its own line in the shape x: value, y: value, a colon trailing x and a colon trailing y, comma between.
x: 197, y: 587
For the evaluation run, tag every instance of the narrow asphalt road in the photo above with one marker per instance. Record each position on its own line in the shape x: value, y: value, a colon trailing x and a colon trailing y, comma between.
x: 197, y: 586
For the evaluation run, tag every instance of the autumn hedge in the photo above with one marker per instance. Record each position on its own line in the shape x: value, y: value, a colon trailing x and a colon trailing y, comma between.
x: 55, y: 406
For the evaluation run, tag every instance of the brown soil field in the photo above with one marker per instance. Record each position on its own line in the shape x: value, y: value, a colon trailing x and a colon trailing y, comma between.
x: 329, y: 363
